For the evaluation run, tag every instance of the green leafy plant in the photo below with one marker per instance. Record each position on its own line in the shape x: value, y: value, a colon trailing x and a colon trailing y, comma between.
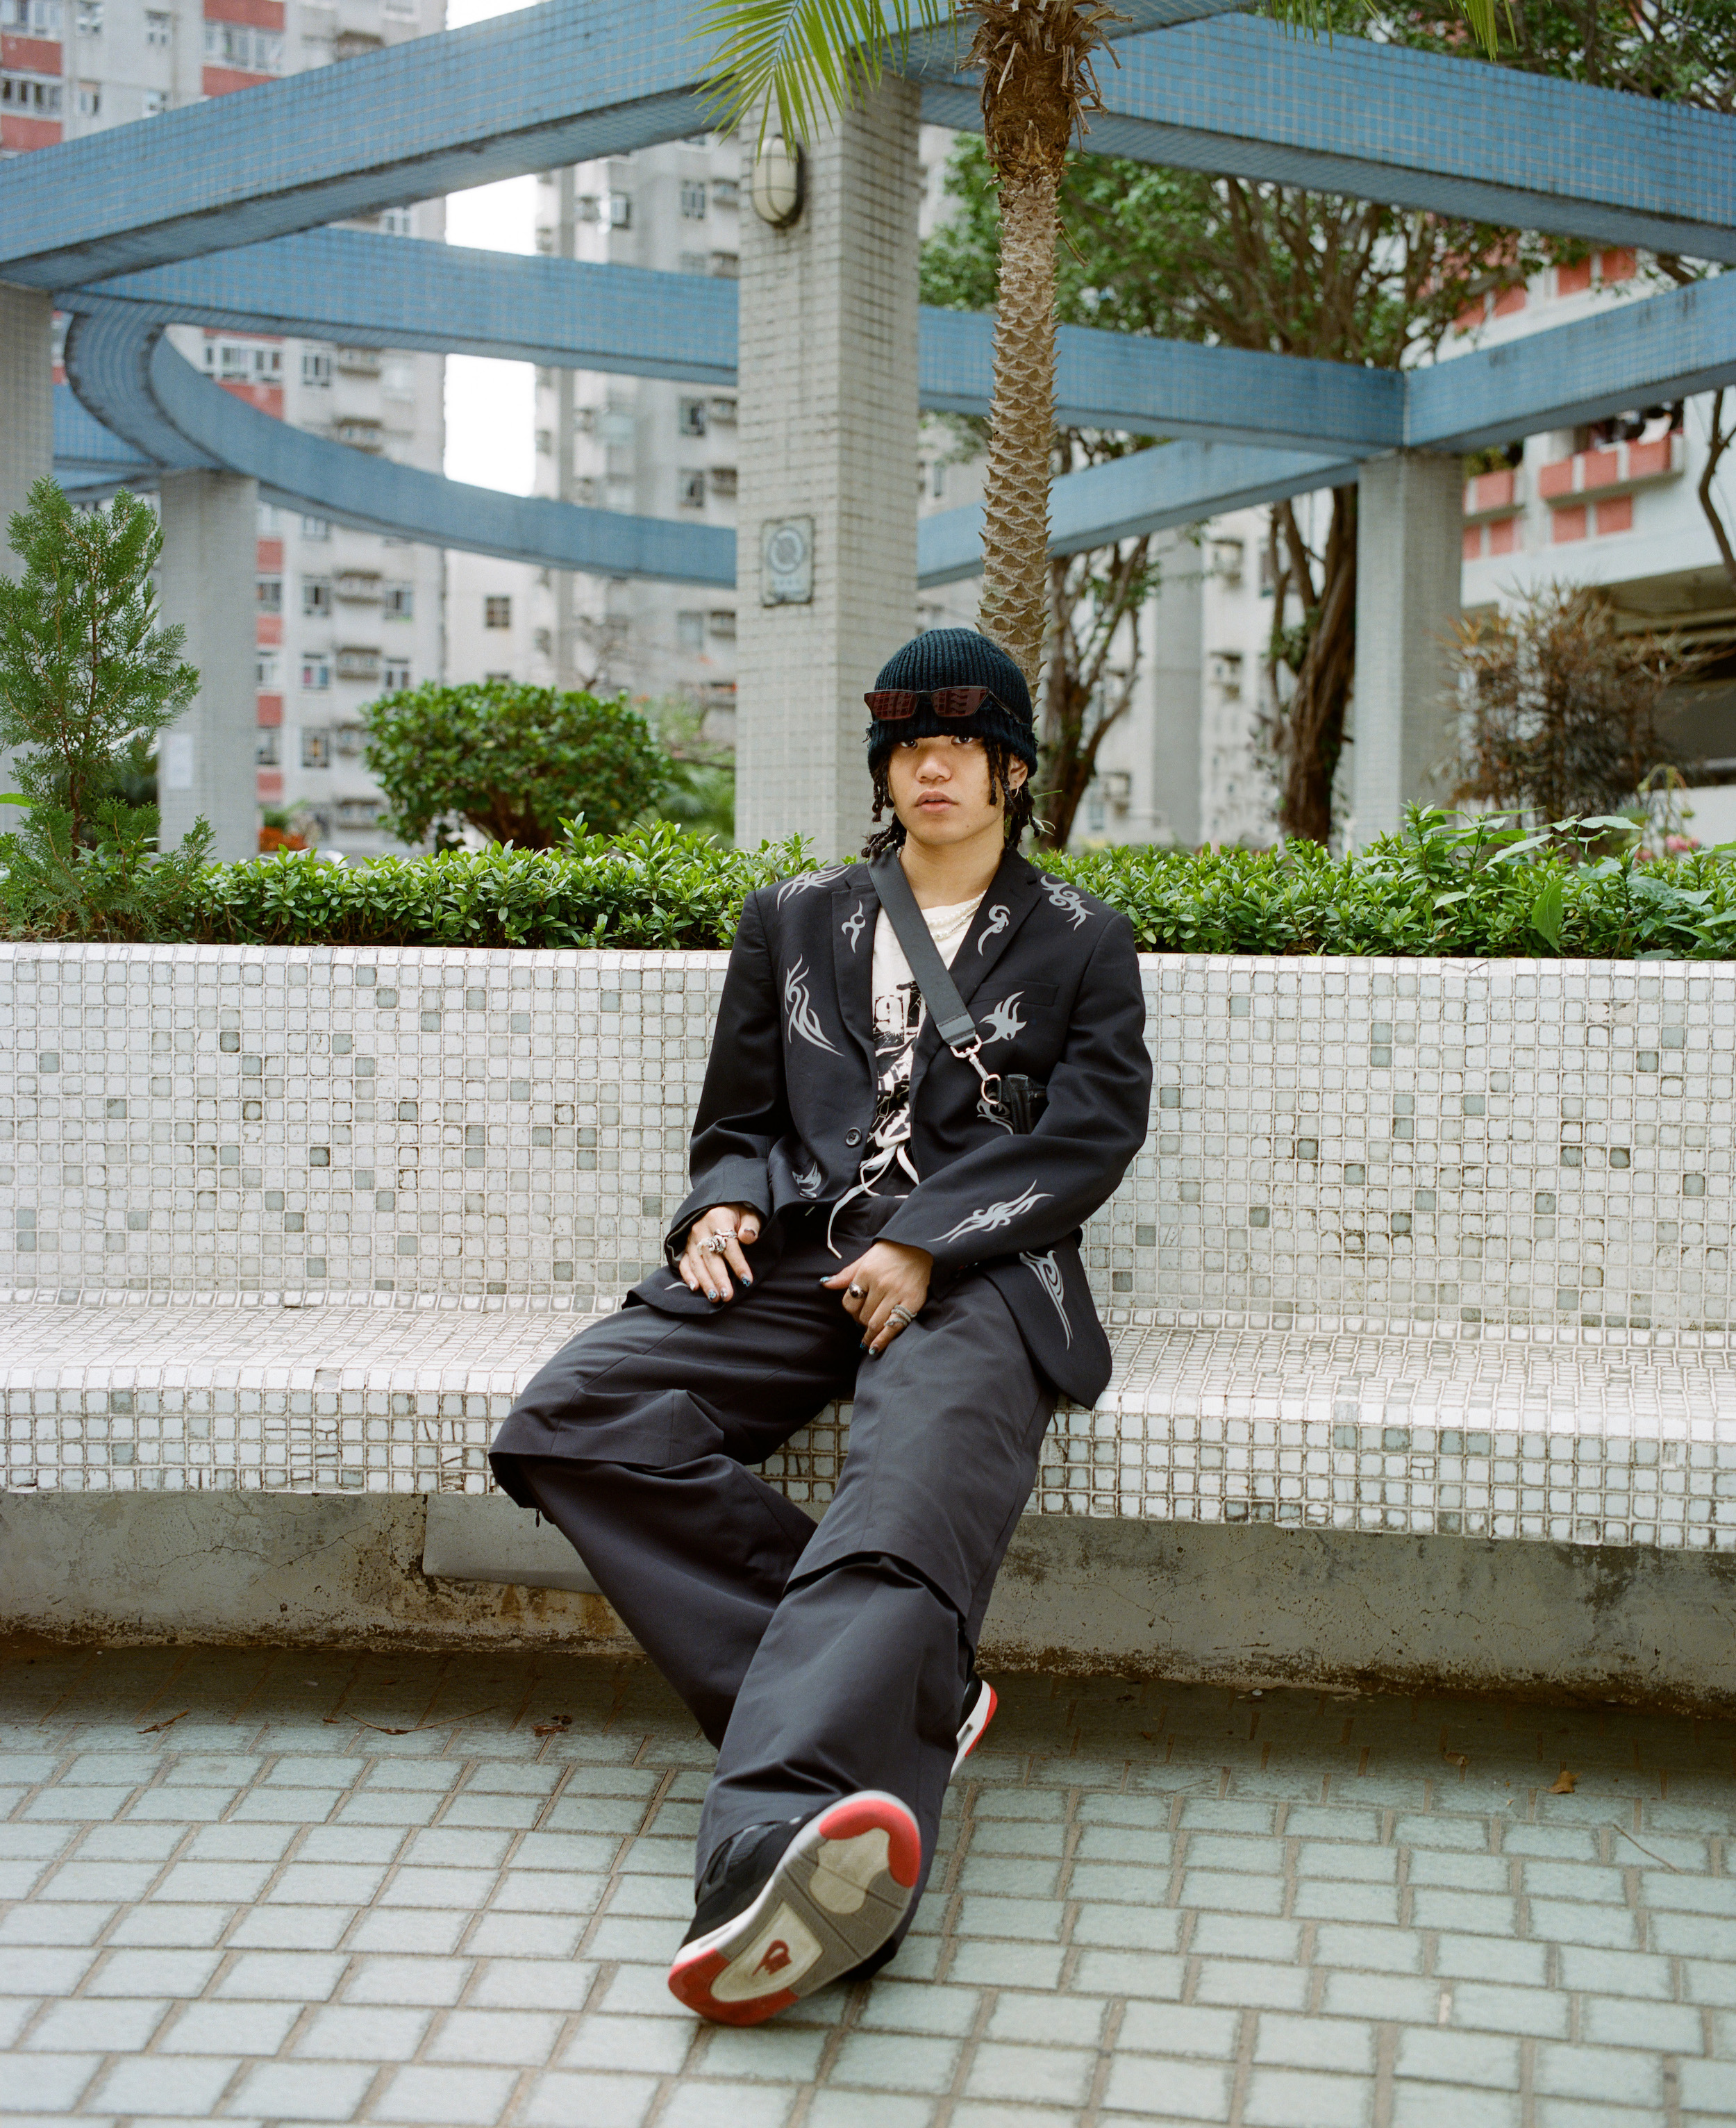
x: 513, y: 761
x: 1446, y: 887
x: 87, y: 680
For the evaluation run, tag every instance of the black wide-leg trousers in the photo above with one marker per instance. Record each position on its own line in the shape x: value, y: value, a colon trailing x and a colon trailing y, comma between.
x: 819, y: 1659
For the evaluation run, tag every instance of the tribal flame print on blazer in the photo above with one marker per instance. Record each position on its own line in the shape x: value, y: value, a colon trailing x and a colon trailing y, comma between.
x: 1051, y: 974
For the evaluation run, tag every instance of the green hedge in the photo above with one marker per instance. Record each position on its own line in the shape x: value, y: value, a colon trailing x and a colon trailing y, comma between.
x: 1438, y: 889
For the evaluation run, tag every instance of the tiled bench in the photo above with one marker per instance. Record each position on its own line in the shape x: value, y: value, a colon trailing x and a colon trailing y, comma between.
x: 1429, y: 1247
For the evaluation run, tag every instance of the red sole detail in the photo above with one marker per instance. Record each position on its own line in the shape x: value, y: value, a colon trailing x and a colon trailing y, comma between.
x: 995, y: 1701
x: 904, y: 1843
x: 691, y: 1984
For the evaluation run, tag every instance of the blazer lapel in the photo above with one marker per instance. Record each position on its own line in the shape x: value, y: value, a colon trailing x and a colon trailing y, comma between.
x: 1016, y: 889
x: 855, y: 909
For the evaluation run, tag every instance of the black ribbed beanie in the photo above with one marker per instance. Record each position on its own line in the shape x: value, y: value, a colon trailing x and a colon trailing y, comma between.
x: 956, y: 657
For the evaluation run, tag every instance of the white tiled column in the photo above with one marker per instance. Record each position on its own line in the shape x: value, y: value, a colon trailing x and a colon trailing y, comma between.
x: 827, y: 412
x: 1409, y: 547
x: 205, y: 762
x: 26, y: 431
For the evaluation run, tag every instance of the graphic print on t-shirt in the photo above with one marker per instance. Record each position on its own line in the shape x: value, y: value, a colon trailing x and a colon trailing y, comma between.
x: 897, y: 1020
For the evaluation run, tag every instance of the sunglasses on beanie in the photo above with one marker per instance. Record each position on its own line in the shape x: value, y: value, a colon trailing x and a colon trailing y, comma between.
x: 893, y: 705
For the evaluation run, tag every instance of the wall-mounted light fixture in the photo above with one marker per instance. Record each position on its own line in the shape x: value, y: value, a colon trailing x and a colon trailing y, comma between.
x: 780, y: 182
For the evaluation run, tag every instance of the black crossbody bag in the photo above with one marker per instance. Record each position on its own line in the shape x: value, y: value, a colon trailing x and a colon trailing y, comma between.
x: 1012, y: 1100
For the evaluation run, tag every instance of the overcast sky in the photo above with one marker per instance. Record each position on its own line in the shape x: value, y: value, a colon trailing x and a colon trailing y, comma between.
x: 490, y: 406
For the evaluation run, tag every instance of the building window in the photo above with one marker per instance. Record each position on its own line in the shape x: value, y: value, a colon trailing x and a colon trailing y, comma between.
x: 316, y: 747
x: 90, y: 18
x: 616, y: 209
x: 270, y: 524
x: 400, y: 11
x: 690, y: 487
x: 252, y: 51
x: 545, y: 241
x: 316, y: 674
x: 723, y: 413
x: 726, y: 265
x: 497, y: 679
x: 689, y: 631
x: 694, y: 262
x: 399, y: 221
x: 316, y: 595
x: 395, y: 675
x: 265, y: 672
x: 690, y: 421
x: 725, y: 191
x: 237, y: 362
x: 693, y: 199
x: 721, y: 623
x: 722, y: 480
x: 363, y: 813
x: 90, y: 100
x: 157, y: 29
x: 398, y: 601
x: 348, y: 741
x: 268, y: 594
x: 317, y: 528
x: 21, y: 92
x: 315, y: 370
x: 155, y: 103
x: 31, y: 18
x: 545, y: 443
x: 265, y: 749
x: 1097, y: 819
x: 497, y: 611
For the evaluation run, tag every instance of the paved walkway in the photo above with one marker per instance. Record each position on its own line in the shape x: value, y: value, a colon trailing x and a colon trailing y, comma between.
x: 277, y: 1887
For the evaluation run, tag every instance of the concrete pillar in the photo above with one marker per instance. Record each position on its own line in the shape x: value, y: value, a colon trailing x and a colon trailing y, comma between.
x: 1175, y: 636
x: 827, y: 414
x: 1409, y: 549
x: 26, y: 433
x: 204, y: 762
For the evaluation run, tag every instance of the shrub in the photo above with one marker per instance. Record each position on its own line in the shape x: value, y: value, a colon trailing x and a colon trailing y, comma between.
x: 87, y: 680
x: 515, y: 762
x: 1475, y: 889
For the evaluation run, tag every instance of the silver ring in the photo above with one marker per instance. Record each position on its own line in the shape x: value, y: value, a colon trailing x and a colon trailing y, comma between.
x: 718, y: 1243
x: 858, y: 1292
x: 902, y: 1316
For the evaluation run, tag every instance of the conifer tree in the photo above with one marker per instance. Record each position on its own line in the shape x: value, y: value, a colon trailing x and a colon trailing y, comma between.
x: 85, y: 670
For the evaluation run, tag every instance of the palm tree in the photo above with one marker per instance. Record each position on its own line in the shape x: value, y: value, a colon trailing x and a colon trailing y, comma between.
x: 809, y: 58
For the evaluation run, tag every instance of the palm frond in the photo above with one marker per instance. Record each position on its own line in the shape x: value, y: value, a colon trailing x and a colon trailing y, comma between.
x: 808, y: 59
x: 1314, y: 15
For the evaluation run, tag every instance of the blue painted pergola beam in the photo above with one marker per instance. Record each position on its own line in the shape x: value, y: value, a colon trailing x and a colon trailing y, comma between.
x: 1246, y: 98
x: 566, y: 82
x: 348, y: 285
x: 570, y: 80
x: 155, y: 400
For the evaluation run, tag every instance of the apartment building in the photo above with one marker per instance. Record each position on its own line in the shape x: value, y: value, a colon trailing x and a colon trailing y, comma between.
x: 639, y: 445
x: 343, y: 615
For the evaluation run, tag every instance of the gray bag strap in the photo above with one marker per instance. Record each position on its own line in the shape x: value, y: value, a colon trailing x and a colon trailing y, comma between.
x: 952, y: 1018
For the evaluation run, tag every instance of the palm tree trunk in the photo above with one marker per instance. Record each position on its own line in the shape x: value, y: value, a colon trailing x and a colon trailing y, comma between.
x: 1037, y: 84
x: 1016, y: 499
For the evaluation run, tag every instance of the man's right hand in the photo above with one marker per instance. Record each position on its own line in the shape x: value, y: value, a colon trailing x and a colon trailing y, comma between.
x: 703, y: 1269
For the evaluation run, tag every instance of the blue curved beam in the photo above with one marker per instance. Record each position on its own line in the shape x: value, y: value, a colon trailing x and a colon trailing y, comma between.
x: 566, y: 81
x: 388, y: 291
x: 126, y: 373
x: 366, y: 291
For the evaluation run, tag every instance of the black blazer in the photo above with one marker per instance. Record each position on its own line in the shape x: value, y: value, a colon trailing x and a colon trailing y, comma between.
x: 1051, y: 978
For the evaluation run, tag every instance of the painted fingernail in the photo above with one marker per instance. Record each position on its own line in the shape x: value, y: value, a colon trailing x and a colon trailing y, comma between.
x: 747, y: 1278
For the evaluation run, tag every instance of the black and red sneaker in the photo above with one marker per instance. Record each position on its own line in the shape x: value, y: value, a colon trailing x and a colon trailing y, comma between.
x: 797, y: 1906
x: 980, y: 1702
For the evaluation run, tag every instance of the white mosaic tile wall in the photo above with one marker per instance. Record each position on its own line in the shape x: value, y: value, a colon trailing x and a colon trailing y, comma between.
x: 1413, y: 1246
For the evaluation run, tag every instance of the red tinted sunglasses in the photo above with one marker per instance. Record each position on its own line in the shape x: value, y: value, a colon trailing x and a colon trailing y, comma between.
x: 893, y: 705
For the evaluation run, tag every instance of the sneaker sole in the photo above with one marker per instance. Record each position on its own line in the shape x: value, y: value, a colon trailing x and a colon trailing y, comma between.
x: 839, y: 1890
x: 981, y: 1715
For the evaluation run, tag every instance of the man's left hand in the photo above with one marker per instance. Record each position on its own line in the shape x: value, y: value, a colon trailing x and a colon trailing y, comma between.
x: 890, y: 1275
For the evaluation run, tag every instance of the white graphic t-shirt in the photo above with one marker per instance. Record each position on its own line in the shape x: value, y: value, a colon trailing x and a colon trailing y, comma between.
x: 898, y: 1015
